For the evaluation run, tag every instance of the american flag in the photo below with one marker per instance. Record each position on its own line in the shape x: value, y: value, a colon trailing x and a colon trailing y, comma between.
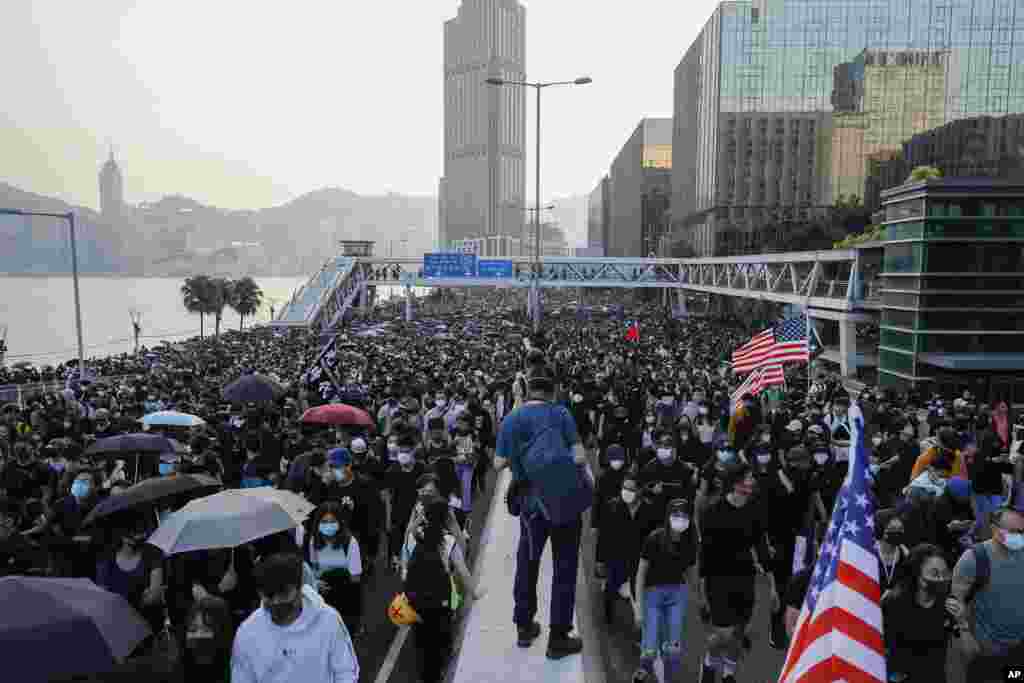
x: 757, y: 381
x: 784, y: 342
x: 838, y: 636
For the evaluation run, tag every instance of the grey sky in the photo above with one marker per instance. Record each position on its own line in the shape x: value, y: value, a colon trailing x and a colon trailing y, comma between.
x: 247, y: 104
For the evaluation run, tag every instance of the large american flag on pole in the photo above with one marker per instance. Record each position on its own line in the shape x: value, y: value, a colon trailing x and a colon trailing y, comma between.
x: 784, y: 342
x: 838, y: 636
x: 758, y: 381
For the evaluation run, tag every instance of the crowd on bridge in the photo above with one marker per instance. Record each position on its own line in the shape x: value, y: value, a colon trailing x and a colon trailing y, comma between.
x: 701, y: 496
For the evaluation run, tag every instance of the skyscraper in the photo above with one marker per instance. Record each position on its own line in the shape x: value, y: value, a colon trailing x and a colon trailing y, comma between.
x: 111, y: 189
x: 483, y: 190
x: 780, y: 103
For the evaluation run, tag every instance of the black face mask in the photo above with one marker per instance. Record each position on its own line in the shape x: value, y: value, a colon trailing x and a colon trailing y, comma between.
x: 894, y: 537
x: 938, y: 589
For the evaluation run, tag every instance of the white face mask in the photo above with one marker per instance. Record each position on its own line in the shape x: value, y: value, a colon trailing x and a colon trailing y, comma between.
x: 821, y: 458
x: 440, y: 402
x: 650, y: 419
x: 616, y: 464
x: 665, y: 454
x: 576, y: 398
x: 404, y: 457
x: 764, y: 458
x: 678, y: 523
x: 628, y: 496
x: 877, y: 441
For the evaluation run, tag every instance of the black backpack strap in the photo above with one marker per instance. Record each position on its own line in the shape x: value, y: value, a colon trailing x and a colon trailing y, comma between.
x: 982, y: 570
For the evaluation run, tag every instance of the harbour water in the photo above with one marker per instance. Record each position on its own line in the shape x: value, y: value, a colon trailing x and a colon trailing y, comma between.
x: 39, y: 313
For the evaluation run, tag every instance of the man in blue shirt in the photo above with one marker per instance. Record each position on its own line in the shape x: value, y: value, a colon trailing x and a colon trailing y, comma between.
x: 539, y: 442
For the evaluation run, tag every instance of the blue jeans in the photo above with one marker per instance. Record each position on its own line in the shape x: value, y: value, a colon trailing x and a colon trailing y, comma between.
x: 664, y: 620
x: 534, y: 531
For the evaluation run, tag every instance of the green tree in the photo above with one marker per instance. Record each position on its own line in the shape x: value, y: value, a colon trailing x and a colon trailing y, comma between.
x: 246, y: 299
x: 220, y: 295
x: 195, y: 294
x: 924, y: 173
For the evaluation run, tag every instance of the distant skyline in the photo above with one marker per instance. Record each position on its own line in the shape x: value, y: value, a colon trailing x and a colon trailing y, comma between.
x: 251, y: 105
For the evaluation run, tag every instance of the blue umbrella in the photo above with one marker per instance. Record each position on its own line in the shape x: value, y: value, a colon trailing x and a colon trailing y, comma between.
x: 85, y: 626
x: 252, y: 389
x: 171, y: 418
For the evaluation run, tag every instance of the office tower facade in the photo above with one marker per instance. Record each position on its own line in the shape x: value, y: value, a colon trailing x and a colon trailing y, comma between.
x: 868, y: 73
x: 639, y: 189
x: 483, y: 191
x: 598, y: 220
x: 111, y: 190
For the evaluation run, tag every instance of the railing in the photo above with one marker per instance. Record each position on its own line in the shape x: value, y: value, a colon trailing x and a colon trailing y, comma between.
x: 312, y: 295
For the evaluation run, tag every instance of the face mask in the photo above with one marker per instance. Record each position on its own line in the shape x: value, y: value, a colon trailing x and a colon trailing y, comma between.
x: 725, y: 457
x: 283, y: 613
x: 821, y: 458
x: 764, y: 458
x: 650, y: 419
x: 577, y: 398
x: 392, y: 447
x: 938, y: 589
x: 202, y: 647
x: 440, y: 402
x: 628, y: 496
x: 766, y: 438
x: 166, y: 468
x: 907, y: 433
x: 329, y: 529
x: 665, y: 455
x: 894, y: 537
x: 57, y: 466
x: 679, y: 523
x: 877, y: 441
x: 1014, y: 542
x: 80, y: 488
x: 404, y: 457
x: 616, y: 464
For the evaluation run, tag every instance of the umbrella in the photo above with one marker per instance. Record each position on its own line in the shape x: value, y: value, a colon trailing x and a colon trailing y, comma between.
x: 170, y: 418
x: 229, y: 519
x: 86, y: 626
x: 252, y: 389
x: 153, y: 491
x: 337, y: 414
x: 131, y: 443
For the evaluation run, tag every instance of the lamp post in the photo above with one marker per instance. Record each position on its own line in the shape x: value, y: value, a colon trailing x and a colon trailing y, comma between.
x: 585, y: 80
x: 70, y: 218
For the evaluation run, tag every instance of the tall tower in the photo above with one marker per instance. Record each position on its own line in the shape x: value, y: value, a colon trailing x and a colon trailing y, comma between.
x: 111, y: 189
x: 484, y: 185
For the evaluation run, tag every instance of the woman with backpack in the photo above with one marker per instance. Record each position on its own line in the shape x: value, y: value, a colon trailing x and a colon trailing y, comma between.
x: 430, y: 586
x: 335, y: 557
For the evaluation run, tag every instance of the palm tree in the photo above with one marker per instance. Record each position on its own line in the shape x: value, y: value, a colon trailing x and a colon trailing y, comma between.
x: 246, y: 299
x: 195, y: 293
x: 220, y: 296
x: 924, y: 173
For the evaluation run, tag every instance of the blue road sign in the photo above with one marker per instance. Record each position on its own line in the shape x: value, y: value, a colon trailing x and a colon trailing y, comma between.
x: 495, y: 269
x: 449, y: 265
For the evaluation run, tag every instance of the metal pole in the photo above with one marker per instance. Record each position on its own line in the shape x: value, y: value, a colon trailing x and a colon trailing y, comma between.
x: 78, y: 302
x: 536, y: 227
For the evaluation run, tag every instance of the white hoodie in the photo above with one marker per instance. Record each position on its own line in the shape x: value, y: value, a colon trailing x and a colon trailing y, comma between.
x: 316, y: 648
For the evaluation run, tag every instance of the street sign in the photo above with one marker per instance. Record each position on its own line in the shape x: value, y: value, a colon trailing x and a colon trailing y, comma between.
x: 495, y: 269
x: 449, y: 265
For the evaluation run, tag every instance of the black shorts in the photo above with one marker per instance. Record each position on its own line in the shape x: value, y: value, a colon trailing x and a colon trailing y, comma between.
x: 730, y: 599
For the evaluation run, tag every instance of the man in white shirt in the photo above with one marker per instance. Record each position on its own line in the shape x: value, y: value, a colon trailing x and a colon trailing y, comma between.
x: 294, y: 636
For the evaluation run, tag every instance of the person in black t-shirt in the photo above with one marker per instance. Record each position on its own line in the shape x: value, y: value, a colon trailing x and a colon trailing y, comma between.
x: 734, y: 551
x: 668, y: 567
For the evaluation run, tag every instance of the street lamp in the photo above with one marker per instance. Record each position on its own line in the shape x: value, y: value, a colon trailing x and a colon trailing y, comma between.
x: 70, y: 218
x: 584, y: 80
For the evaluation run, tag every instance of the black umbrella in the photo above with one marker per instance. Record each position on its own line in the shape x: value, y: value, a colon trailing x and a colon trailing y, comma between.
x: 252, y: 389
x: 131, y: 443
x: 152, y: 491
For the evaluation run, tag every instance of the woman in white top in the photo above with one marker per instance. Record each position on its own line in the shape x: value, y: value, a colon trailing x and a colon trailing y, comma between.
x: 335, y: 558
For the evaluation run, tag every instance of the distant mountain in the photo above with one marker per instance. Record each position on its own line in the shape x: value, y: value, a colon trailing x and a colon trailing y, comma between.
x: 178, y: 236
x: 42, y: 245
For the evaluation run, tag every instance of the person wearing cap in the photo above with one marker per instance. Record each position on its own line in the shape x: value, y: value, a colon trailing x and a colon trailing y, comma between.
x: 539, y: 442
x: 734, y: 551
x: 353, y: 491
x: 666, y: 571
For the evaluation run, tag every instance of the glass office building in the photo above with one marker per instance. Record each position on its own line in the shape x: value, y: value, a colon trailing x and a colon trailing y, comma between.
x: 882, y: 71
x: 953, y: 287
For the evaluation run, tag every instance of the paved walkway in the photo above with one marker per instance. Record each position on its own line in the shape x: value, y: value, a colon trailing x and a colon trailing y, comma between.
x: 488, y: 653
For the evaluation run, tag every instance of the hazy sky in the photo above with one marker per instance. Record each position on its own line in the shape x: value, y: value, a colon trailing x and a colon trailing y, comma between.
x: 248, y: 104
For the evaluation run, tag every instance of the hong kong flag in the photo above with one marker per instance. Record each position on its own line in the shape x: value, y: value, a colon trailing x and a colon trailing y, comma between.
x: 633, y: 332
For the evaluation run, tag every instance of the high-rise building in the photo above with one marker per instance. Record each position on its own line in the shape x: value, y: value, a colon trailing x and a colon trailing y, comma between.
x: 848, y: 80
x: 599, y: 203
x: 483, y: 191
x: 639, y: 190
x: 111, y: 190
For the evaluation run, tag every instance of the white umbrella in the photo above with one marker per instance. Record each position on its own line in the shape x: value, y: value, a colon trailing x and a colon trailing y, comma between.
x: 229, y: 519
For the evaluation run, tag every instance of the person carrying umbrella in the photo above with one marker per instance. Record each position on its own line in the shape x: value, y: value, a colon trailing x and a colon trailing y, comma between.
x: 134, y: 570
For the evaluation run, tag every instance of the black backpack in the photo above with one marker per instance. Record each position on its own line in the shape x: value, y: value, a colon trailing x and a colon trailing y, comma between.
x: 427, y: 584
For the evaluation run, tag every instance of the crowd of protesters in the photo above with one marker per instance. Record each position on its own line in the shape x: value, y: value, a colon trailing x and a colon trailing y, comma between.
x: 695, y: 497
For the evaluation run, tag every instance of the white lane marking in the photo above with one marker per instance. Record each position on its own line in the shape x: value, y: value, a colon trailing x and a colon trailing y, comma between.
x: 396, y: 649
